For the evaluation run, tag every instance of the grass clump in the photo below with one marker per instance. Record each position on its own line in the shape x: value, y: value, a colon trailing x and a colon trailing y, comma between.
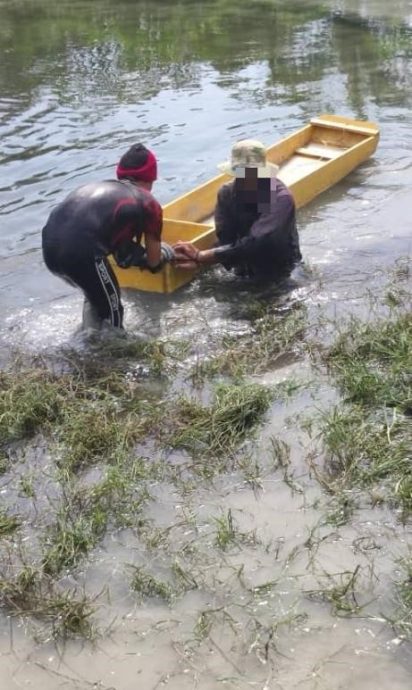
x: 366, y: 450
x: 368, y: 437
x: 100, y: 426
x: 94, y: 416
x: 4, y: 463
x: 273, y: 337
x: 340, y: 591
x: 91, y: 432
x: 31, y: 593
x: 28, y: 400
x: 225, y: 530
x: 403, y: 622
x: 373, y: 363
x: 146, y: 585
x: 8, y: 523
x: 223, y: 426
x: 71, y: 539
x: 86, y: 514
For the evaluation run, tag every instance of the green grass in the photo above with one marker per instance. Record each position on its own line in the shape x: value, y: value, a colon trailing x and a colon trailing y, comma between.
x: 91, y: 432
x: 86, y: 513
x: 4, y: 463
x: 28, y: 400
x: 146, y: 585
x: 369, y: 451
x: 225, y: 530
x: 273, y: 338
x: 8, y: 523
x: 70, y: 539
x: 223, y: 426
x: 92, y: 418
x: 31, y: 593
x: 340, y: 591
x: 368, y: 437
x: 403, y: 622
x: 373, y: 363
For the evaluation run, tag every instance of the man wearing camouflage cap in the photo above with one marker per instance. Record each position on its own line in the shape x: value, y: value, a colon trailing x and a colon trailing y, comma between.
x: 254, y: 219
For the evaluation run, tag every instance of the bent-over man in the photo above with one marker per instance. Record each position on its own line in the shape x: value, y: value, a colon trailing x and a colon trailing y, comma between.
x: 102, y: 218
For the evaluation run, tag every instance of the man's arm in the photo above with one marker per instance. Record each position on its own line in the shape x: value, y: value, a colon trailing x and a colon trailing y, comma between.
x: 153, y: 254
x: 248, y: 248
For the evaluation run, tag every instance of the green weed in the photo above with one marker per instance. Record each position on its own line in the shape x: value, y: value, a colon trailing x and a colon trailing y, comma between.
x: 8, y: 523
x: 340, y: 592
x: 28, y: 400
x: 274, y: 337
x: 146, y: 585
x: 373, y: 363
x: 225, y: 530
x: 404, y: 590
x: 221, y: 428
x: 30, y: 593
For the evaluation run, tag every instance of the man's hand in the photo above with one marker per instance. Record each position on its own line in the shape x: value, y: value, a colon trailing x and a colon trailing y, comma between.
x: 186, y: 256
x: 130, y: 254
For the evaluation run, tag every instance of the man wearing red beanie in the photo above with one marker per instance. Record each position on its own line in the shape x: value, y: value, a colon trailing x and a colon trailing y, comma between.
x: 102, y: 218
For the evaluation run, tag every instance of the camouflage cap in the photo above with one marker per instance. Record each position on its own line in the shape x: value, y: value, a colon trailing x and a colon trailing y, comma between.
x: 248, y: 153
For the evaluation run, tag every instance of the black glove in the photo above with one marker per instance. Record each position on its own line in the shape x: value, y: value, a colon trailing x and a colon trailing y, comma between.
x: 133, y: 254
x: 130, y: 254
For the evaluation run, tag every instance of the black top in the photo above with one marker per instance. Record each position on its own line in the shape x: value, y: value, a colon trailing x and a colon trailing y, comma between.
x: 257, y: 230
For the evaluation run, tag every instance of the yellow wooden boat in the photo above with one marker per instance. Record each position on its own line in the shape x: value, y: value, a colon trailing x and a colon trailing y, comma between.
x: 311, y: 160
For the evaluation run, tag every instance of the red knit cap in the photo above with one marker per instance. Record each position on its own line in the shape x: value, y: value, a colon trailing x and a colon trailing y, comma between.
x: 137, y: 163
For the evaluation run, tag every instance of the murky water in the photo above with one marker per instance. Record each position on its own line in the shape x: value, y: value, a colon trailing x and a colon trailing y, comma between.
x: 79, y: 82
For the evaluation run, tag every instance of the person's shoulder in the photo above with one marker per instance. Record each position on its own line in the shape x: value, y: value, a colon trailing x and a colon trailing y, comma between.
x: 225, y: 191
x: 281, y: 189
x: 148, y: 202
x: 145, y: 196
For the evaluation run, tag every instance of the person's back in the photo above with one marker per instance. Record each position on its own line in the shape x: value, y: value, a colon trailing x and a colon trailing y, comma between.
x: 101, y: 218
x: 97, y: 217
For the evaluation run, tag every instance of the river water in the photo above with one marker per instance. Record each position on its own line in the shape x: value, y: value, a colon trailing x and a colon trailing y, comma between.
x: 80, y: 81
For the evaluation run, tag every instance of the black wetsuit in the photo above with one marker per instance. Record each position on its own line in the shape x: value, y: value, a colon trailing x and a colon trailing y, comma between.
x: 91, y: 223
x: 257, y: 230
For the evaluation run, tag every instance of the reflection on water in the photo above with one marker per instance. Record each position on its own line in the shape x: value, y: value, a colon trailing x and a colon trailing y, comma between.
x: 79, y: 82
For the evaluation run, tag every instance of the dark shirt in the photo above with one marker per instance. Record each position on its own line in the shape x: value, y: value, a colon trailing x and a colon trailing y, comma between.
x: 102, y: 217
x: 257, y: 231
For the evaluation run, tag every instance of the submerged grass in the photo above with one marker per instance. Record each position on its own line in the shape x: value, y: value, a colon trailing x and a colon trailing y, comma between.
x: 274, y: 336
x: 340, y: 591
x: 368, y: 437
x: 373, y: 363
x: 146, y: 585
x: 403, y: 622
x: 91, y: 420
x: 8, y: 523
x: 86, y: 513
x: 70, y: 539
x: 28, y: 400
x: 223, y: 426
x: 30, y: 593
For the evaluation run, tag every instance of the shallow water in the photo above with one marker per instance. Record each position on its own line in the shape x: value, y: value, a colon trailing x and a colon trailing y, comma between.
x: 79, y: 83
